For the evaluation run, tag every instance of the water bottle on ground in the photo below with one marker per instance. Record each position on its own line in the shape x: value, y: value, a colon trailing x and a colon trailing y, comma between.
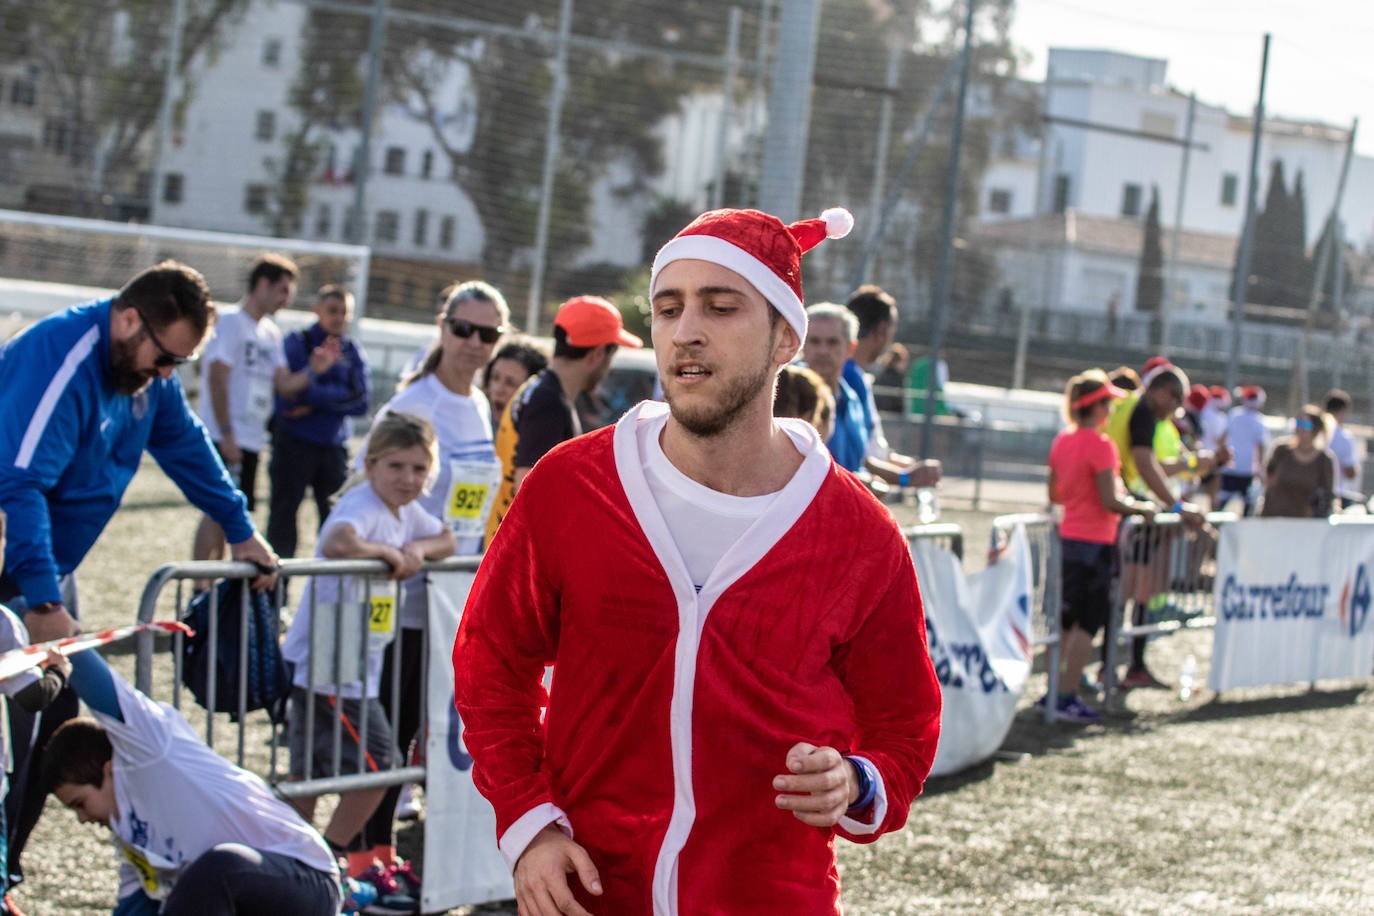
x: 1187, y: 677
x: 927, y: 505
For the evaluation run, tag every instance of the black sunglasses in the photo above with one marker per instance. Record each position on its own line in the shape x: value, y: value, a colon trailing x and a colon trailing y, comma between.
x: 165, y: 358
x: 463, y: 328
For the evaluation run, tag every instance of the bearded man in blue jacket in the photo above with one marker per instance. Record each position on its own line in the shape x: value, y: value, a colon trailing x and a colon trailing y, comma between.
x: 85, y: 391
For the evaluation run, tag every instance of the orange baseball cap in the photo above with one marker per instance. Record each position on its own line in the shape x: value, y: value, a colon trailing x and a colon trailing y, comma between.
x: 591, y: 321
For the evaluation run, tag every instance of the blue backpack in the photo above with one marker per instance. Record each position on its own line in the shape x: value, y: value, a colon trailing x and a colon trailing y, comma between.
x: 269, y: 680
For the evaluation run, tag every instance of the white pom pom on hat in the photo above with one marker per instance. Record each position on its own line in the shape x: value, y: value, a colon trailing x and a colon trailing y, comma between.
x: 760, y: 248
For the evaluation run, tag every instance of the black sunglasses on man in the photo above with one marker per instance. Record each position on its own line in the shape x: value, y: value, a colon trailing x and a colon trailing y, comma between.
x: 165, y: 357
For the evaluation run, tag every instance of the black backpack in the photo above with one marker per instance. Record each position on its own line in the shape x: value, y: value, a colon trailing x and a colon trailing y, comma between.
x: 269, y: 680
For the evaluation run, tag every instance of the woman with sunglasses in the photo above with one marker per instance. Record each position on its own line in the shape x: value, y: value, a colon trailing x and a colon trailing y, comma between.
x: 443, y: 391
x: 1300, y: 476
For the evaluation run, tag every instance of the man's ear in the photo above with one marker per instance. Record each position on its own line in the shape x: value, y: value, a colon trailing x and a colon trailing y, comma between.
x: 124, y: 323
x: 786, y: 344
x: 107, y: 772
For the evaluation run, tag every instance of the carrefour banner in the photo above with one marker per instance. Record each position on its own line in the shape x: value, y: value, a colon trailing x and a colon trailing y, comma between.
x: 462, y: 862
x: 978, y: 627
x: 1292, y: 602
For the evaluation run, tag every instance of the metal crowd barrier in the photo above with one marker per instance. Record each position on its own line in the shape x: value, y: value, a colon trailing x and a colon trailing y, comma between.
x: 1042, y: 536
x: 1167, y: 574
x: 945, y: 534
x: 371, y: 575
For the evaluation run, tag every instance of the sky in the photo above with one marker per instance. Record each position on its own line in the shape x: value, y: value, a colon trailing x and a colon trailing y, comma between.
x: 1319, y: 56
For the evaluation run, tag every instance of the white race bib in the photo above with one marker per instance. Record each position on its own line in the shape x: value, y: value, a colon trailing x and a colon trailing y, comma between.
x: 260, y: 401
x: 471, y: 492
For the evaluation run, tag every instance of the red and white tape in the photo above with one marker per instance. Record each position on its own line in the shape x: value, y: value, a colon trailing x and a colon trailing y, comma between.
x: 17, y: 661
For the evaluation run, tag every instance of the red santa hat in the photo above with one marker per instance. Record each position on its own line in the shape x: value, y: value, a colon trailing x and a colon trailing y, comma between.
x: 1198, y: 396
x: 1251, y: 395
x: 1220, y: 396
x: 1153, y: 367
x: 758, y: 247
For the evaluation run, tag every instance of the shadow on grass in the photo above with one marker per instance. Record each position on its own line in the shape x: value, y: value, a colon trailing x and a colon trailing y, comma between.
x: 1218, y: 709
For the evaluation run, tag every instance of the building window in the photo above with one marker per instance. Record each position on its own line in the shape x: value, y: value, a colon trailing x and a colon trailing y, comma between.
x: 1229, y: 183
x: 23, y: 91
x: 352, y: 229
x: 427, y: 163
x: 1061, y: 193
x: 388, y: 226
x: 1130, y: 200
x: 255, y: 198
x: 446, y: 226
x: 271, y: 52
x: 324, y: 221
x: 266, y: 127
x: 421, y: 234
x: 395, y: 163
x: 408, y: 292
x: 57, y: 136
x: 999, y: 201
x: 173, y: 184
x: 378, y: 289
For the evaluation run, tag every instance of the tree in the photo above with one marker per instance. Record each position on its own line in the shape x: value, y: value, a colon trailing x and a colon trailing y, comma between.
x: 1149, y: 284
x: 614, y: 99
x: 842, y: 146
x: 1336, y: 261
x: 109, y: 93
x: 1280, y: 274
x: 327, y: 96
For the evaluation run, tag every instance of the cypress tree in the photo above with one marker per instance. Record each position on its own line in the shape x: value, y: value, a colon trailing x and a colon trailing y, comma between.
x: 1149, y: 284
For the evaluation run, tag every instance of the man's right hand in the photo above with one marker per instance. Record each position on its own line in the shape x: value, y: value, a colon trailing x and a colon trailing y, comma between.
x: 541, y: 875
x: 229, y: 449
x: 54, y: 624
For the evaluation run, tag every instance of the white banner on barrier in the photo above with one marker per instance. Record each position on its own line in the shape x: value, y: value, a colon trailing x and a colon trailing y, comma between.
x: 979, y: 632
x: 1292, y: 603
x: 462, y: 862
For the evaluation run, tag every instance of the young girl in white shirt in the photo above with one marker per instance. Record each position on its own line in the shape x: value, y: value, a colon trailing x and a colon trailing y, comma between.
x: 377, y: 517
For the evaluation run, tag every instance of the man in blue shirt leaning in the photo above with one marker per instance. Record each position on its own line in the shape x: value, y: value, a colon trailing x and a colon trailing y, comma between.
x: 86, y: 390
x: 311, y: 426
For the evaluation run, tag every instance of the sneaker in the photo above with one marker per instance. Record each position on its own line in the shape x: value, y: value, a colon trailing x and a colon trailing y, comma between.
x: 407, y: 806
x: 1141, y: 677
x: 1072, y: 709
x: 356, y: 895
x: 390, y: 899
x: 404, y: 874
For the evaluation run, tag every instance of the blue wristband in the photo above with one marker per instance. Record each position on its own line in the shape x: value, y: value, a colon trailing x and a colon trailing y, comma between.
x: 1176, y: 507
x: 867, y: 789
x: 904, y: 479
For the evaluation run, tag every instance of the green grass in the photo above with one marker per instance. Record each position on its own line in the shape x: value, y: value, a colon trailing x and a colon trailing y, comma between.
x: 1257, y: 802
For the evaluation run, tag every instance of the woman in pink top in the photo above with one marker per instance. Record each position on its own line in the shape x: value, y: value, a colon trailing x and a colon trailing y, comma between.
x: 1085, y: 478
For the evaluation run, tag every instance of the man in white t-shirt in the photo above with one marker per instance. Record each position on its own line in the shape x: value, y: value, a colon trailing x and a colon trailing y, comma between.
x: 1249, y: 440
x: 193, y: 833
x: 1337, y: 403
x: 242, y: 369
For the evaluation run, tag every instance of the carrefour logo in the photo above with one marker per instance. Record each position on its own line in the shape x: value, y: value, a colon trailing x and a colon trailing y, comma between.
x: 1355, y: 602
x: 1277, y: 601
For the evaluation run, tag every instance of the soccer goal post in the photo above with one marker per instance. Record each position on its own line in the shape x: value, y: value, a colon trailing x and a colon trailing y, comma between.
x: 37, y: 249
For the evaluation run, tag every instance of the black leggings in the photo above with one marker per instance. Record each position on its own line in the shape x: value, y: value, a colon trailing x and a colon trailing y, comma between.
x: 380, y: 828
x: 237, y: 880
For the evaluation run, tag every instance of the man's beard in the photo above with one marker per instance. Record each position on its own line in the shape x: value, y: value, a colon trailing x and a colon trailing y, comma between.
x: 715, y: 419
x: 126, y: 379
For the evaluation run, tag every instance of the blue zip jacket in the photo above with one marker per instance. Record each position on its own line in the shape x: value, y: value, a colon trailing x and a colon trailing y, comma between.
x: 340, y: 392
x: 70, y: 444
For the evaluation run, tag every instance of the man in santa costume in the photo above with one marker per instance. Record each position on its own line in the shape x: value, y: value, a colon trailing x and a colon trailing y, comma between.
x: 739, y: 649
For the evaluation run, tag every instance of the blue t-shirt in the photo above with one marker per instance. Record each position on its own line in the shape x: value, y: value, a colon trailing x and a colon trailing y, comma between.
x: 848, y: 443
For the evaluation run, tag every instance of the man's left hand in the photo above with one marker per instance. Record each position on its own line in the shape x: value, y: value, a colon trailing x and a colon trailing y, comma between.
x: 256, y: 550
x: 819, y: 785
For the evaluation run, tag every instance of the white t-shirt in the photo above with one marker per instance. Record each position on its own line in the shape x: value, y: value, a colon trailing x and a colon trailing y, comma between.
x: 1214, y: 426
x: 176, y: 799
x: 1343, y: 447
x: 13, y: 635
x: 704, y: 523
x: 1245, y: 433
x: 469, y: 471
x: 253, y: 351
x: 354, y: 597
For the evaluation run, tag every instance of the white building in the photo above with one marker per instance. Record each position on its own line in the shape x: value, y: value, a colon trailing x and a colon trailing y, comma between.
x: 218, y: 164
x: 1090, y: 178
